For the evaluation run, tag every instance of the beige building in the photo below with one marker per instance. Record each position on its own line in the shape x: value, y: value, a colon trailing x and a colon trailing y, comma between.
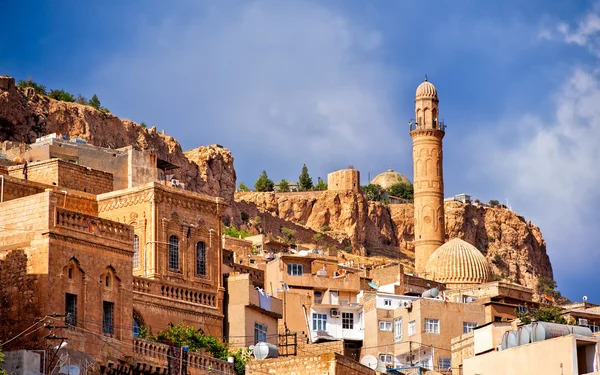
x: 344, y: 179
x: 419, y: 333
x: 264, y: 244
x: 567, y: 355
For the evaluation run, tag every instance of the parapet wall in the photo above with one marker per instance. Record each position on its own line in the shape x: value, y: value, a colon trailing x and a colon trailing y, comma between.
x: 344, y: 179
x: 329, y: 363
x: 64, y: 174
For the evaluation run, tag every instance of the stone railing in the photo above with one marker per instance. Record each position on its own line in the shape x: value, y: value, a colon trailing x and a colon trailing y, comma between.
x: 159, y: 353
x: 82, y: 223
x: 152, y: 287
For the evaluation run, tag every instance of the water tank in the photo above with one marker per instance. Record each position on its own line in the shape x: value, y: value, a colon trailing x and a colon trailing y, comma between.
x: 543, y: 331
x: 263, y: 350
x: 510, y: 340
x: 524, y: 333
x: 431, y: 293
x: 322, y: 273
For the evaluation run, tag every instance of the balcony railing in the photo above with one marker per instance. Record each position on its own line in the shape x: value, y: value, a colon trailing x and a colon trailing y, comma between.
x: 437, y: 124
x: 158, y: 352
x: 152, y: 287
x: 83, y: 223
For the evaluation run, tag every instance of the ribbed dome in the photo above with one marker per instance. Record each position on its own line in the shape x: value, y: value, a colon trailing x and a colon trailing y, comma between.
x: 458, y: 263
x: 426, y: 90
x: 389, y: 178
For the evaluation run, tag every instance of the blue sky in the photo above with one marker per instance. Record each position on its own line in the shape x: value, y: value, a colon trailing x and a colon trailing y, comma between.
x: 331, y: 84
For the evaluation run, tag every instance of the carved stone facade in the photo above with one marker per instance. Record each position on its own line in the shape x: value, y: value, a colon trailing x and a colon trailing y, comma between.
x: 427, y: 133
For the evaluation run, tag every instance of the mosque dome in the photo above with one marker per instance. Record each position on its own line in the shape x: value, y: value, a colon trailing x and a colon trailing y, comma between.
x: 457, y: 263
x: 389, y: 178
x: 426, y: 90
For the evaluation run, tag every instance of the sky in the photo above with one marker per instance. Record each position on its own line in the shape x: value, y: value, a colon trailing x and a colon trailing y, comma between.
x: 331, y: 84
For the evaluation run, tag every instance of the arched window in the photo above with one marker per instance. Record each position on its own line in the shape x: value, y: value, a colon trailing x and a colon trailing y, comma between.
x: 201, y: 259
x: 137, y: 327
x: 136, y: 251
x: 174, y: 253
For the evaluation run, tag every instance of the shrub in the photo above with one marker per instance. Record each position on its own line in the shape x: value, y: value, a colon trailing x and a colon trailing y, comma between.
x: 325, y: 228
x: 61, y: 95
x: 493, y: 203
x: 496, y: 277
x: 402, y: 190
x: 490, y: 238
x: 289, y: 234
x: 40, y: 89
x: 348, y: 249
x: 236, y: 233
x: 243, y: 187
x: 321, y: 185
x: 498, y: 261
x: 81, y: 99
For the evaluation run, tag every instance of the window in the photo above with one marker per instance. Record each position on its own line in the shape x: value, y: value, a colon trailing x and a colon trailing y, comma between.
x: 295, y: 269
x: 108, y: 317
x: 71, y: 308
x: 497, y: 319
x: 137, y: 327
x: 319, y: 322
x: 174, y: 253
x: 136, y: 251
x: 445, y: 363
x: 432, y: 325
x: 70, y: 273
x: 260, y: 333
x: 201, y: 259
x: 107, y: 281
x: 386, y: 358
x: 521, y: 309
x: 318, y: 297
x: 347, y: 320
x: 387, y: 302
x: 468, y: 327
x: 385, y: 325
x: 412, y: 328
x: 397, y: 329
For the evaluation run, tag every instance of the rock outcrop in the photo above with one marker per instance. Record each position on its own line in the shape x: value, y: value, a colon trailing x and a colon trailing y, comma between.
x: 514, y: 247
x: 25, y: 116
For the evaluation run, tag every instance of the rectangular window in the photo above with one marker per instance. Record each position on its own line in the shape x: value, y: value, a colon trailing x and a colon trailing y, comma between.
x: 468, y: 327
x: 71, y: 308
x: 385, y: 325
x: 260, y: 333
x: 295, y: 269
x: 387, y: 302
x: 397, y: 330
x: 136, y: 251
x: 347, y: 320
x: 201, y: 259
x: 432, y: 325
x: 412, y: 328
x: 386, y: 358
x: 108, y: 317
x: 319, y: 322
x: 445, y: 364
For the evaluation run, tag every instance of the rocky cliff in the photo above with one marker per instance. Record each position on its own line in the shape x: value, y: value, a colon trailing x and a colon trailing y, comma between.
x: 25, y: 116
x: 514, y: 247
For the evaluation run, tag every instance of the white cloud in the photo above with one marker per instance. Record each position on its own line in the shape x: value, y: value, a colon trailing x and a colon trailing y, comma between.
x: 585, y: 32
x: 265, y: 79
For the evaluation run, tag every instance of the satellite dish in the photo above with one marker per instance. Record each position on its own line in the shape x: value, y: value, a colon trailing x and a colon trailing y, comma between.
x: 370, y: 361
x: 584, y: 298
x: 303, y: 253
x: 374, y: 286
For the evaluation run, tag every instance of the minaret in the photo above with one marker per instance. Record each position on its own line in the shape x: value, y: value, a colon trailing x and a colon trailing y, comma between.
x: 427, y: 132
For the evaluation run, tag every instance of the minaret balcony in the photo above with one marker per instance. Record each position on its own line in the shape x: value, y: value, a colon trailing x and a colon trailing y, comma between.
x: 437, y: 125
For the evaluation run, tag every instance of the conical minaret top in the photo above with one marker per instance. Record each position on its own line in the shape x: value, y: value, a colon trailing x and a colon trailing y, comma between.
x: 427, y: 132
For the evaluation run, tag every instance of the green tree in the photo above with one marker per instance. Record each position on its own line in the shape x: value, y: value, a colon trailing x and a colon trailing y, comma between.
x: 235, y: 233
x: 243, y: 187
x: 95, y: 102
x: 373, y: 192
x: 402, y: 190
x: 284, y: 185
x: 321, y: 185
x: 552, y: 314
x: 264, y: 183
x: 2, y: 371
x: 40, y: 89
x: 304, y: 180
x: 493, y: 203
x: 289, y: 234
x: 81, y: 99
x: 61, y: 95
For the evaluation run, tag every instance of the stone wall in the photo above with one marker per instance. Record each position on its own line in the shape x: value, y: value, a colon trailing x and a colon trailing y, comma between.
x: 305, y: 348
x: 321, y: 364
x: 67, y: 175
x: 344, y: 179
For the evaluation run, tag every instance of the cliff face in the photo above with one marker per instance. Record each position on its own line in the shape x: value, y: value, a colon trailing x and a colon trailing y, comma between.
x: 25, y: 116
x: 514, y: 248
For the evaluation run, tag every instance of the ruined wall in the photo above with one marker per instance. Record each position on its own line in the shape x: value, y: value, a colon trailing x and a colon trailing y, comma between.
x: 67, y: 175
x: 344, y: 179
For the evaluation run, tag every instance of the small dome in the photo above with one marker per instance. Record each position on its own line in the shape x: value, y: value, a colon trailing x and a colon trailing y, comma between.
x: 458, y: 263
x: 389, y: 178
x: 426, y: 90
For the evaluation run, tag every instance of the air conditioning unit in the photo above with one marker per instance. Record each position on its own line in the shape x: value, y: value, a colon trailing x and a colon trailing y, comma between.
x: 582, y: 322
x: 334, y: 313
x: 407, y: 304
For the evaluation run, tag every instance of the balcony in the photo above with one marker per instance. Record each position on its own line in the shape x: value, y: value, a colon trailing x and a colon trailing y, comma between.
x: 273, y: 308
x: 172, y: 292
x: 350, y: 282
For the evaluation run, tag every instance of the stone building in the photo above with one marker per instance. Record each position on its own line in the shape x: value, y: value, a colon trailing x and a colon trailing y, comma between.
x: 344, y: 179
x: 106, y: 238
